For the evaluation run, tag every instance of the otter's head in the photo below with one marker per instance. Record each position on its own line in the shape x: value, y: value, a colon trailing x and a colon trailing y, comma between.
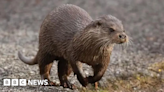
x: 111, y: 28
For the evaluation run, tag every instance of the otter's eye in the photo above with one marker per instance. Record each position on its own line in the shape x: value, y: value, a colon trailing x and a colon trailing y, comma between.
x: 111, y: 30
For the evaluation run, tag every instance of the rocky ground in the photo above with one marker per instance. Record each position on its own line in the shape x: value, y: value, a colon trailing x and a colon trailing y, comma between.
x: 143, y: 20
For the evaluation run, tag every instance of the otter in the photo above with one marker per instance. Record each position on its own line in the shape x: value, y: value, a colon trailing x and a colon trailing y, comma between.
x: 69, y: 35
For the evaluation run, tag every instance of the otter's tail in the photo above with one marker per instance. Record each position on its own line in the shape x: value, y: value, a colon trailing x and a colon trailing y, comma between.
x: 27, y: 60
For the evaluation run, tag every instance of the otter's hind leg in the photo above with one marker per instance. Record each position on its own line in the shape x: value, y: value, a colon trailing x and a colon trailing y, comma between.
x: 45, y: 64
x: 64, y: 70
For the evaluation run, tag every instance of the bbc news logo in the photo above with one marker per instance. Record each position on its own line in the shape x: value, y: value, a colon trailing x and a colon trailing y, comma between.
x: 23, y: 82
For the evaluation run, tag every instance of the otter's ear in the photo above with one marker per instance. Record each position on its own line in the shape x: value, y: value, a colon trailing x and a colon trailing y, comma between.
x: 97, y: 23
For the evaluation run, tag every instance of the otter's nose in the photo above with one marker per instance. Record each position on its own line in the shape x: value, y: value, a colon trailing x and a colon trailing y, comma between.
x: 122, y: 36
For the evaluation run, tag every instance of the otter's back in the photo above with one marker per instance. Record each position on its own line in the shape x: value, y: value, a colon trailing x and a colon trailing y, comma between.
x: 61, y: 25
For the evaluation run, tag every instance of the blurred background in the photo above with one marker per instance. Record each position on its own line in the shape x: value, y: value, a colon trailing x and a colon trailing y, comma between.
x: 137, y: 67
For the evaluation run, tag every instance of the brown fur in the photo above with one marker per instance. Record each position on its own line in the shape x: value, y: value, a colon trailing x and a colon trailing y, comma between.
x: 69, y: 35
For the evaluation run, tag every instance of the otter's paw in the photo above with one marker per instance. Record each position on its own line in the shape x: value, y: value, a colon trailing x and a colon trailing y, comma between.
x: 67, y: 84
x: 83, y: 81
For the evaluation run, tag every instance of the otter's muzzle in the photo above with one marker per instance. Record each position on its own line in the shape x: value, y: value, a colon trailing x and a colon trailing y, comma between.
x: 122, y: 38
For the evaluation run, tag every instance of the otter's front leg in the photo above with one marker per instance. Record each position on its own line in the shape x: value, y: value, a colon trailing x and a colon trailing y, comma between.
x: 99, y: 71
x: 77, y: 70
x: 64, y: 70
